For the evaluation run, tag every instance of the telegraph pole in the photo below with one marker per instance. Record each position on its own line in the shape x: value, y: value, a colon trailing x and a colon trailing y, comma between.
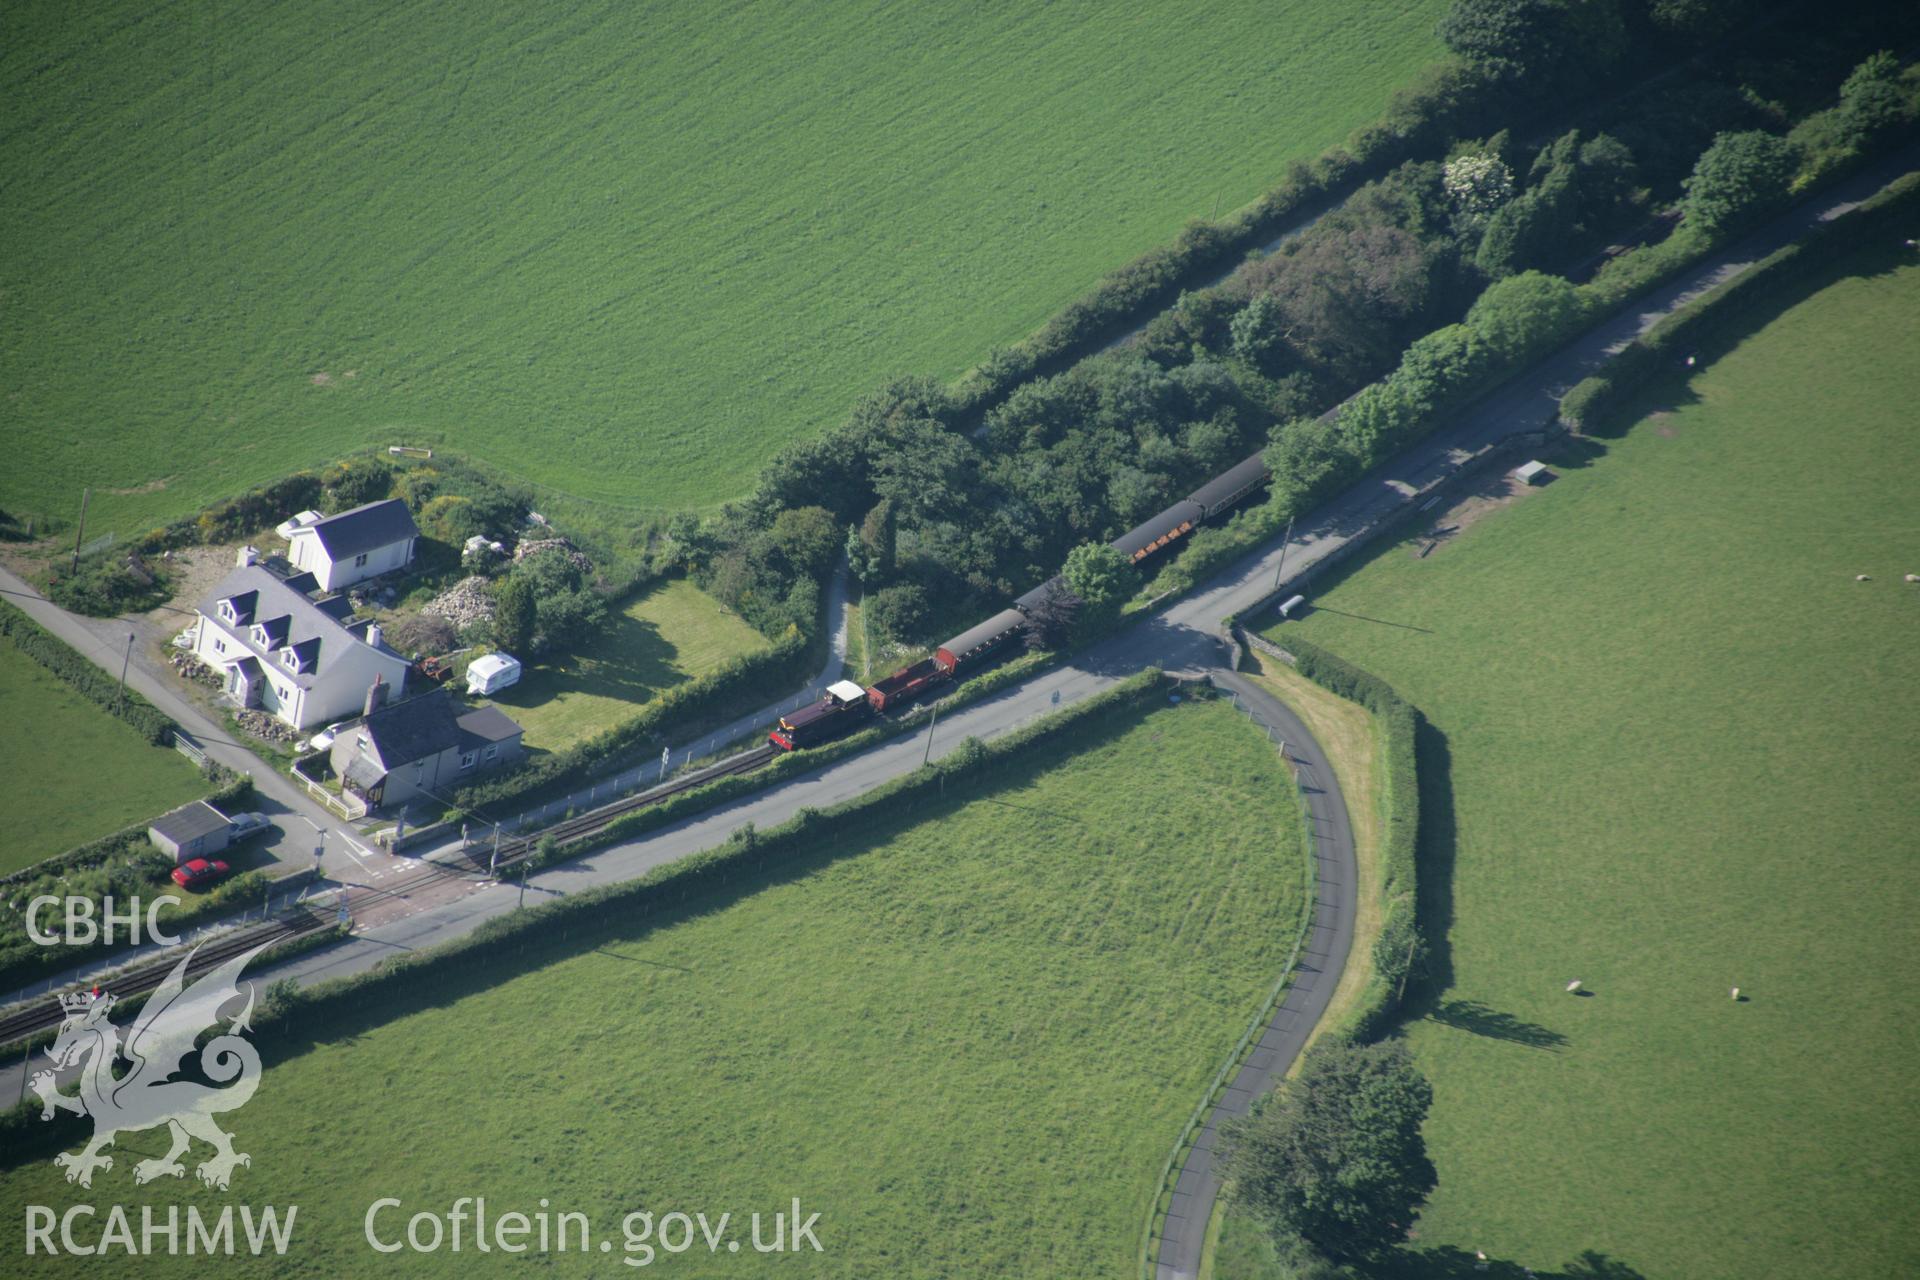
x: 1277, y: 573
x: 124, y: 664
x: 929, y: 752
x: 82, y: 532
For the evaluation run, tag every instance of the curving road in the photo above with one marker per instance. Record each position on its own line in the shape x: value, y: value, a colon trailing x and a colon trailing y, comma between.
x: 1182, y: 638
x: 1322, y: 959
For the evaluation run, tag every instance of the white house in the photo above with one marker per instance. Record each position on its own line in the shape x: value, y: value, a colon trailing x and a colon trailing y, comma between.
x: 354, y: 545
x: 304, y: 661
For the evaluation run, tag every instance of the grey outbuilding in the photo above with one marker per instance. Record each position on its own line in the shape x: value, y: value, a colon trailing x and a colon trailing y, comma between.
x: 196, y: 830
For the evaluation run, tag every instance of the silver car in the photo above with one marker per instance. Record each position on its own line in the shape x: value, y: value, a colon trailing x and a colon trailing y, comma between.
x: 242, y: 825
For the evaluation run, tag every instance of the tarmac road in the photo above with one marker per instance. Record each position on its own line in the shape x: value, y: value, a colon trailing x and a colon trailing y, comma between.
x: 1182, y: 638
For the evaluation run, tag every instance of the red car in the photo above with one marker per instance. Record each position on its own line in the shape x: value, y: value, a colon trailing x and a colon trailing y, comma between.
x: 197, y: 873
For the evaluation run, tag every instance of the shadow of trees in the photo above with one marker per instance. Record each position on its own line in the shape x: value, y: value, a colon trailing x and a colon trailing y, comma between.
x: 1450, y: 1263
x: 1472, y: 1016
x: 1672, y: 389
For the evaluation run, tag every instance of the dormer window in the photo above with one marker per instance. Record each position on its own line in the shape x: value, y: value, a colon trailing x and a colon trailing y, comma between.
x: 260, y: 638
x: 227, y: 611
x: 290, y: 660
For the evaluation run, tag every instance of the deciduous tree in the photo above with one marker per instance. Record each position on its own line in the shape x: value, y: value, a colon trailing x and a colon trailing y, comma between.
x: 1739, y: 174
x: 1102, y: 578
x: 1335, y: 1157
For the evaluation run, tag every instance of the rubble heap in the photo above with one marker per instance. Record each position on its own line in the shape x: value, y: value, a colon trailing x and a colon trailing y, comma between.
x: 465, y: 603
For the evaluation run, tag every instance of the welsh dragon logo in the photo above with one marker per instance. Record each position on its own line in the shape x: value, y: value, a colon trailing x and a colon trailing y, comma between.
x: 160, y: 1045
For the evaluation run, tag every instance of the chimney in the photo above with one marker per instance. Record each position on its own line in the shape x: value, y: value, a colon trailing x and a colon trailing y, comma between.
x: 246, y: 556
x: 373, y: 634
x: 376, y: 696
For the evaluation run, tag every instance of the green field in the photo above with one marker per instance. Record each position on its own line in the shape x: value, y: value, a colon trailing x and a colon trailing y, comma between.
x: 672, y: 633
x: 88, y: 774
x: 965, y: 1041
x: 625, y: 252
x: 1681, y: 744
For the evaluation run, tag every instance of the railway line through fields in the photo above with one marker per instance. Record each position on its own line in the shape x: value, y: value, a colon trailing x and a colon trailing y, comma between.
x: 369, y: 905
x: 300, y: 922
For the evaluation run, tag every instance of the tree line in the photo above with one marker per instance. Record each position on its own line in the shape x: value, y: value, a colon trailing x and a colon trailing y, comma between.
x: 1420, y: 288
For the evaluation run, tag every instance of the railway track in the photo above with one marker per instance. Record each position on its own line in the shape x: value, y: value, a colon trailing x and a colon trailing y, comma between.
x: 513, y: 852
x: 39, y: 1017
x: 35, y: 1018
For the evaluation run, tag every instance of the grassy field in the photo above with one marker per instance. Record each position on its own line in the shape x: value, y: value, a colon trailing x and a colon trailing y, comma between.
x: 1677, y: 740
x: 673, y: 632
x: 86, y: 773
x: 626, y: 252
x: 965, y: 1040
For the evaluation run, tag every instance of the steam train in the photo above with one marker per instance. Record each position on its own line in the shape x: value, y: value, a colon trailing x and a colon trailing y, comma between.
x: 845, y: 704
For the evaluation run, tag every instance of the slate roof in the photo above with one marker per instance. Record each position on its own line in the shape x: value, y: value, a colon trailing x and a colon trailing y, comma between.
x: 488, y: 724
x: 189, y: 822
x: 377, y: 524
x: 413, y: 730
x: 257, y: 595
x: 308, y: 652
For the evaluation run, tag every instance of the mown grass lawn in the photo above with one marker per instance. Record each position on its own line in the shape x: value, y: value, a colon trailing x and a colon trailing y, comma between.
x: 1683, y: 743
x: 673, y: 632
x: 69, y: 772
x: 966, y: 1037
x: 625, y: 251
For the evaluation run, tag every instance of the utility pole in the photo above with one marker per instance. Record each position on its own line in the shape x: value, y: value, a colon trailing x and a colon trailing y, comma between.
x: 82, y: 532
x: 929, y: 752
x: 1277, y: 573
x: 124, y: 664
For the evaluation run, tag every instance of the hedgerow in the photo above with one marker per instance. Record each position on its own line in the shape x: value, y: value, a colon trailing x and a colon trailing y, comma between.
x: 1401, y: 944
x: 1703, y: 324
x: 98, y: 687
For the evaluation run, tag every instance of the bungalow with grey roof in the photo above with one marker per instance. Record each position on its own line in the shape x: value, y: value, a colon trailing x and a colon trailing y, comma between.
x: 355, y: 545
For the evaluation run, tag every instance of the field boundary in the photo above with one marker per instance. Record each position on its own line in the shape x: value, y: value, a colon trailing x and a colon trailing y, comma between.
x: 404, y: 979
x: 1402, y: 942
x: 1703, y: 327
x: 89, y: 681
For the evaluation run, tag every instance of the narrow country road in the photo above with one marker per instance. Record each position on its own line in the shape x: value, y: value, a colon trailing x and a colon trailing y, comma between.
x: 1323, y: 958
x: 1183, y: 638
